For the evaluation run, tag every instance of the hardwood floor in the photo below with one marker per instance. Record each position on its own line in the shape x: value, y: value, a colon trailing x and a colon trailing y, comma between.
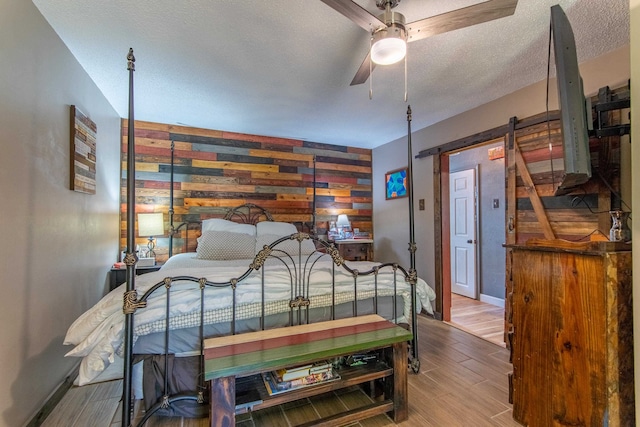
x: 478, y: 318
x: 462, y: 382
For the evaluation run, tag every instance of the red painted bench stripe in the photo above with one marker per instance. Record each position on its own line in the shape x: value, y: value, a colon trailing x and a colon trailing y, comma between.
x: 271, y: 343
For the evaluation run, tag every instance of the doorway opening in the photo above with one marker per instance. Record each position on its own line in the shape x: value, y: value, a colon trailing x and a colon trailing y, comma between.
x: 474, y: 218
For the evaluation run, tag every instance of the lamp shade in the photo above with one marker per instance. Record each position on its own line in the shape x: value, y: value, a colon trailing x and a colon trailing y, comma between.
x: 343, y: 221
x: 150, y: 224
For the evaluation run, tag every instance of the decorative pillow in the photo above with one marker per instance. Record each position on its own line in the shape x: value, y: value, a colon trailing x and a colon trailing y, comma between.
x: 219, y: 224
x: 225, y: 245
x: 292, y: 247
x: 278, y: 228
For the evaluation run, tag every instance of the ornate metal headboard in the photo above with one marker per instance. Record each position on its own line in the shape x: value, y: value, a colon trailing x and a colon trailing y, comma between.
x: 248, y: 214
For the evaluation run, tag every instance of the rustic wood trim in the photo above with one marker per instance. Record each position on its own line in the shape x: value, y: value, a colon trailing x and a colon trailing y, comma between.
x: 465, y: 142
x: 446, y: 241
x: 537, y: 119
x: 437, y: 235
x: 509, y: 229
x: 510, y: 173
x: 538, y: 207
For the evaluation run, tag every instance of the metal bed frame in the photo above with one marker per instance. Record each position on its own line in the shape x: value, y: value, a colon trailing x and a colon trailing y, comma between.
x: 300, y: 276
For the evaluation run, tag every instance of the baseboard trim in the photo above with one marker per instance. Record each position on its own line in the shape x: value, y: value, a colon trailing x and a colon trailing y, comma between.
x: 492, y: 300
x: 54, y: 399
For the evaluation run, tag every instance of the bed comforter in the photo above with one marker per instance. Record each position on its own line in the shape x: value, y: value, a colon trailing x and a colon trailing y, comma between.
x: 97, y: 335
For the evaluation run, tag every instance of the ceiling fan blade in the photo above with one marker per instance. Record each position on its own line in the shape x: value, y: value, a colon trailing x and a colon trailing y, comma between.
x: 363, y: 72
x: 357, y: 14
x: 460, y: 18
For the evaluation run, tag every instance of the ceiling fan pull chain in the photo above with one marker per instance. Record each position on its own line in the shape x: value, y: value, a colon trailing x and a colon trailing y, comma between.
x: 405, y: 78
x: 370, y: 69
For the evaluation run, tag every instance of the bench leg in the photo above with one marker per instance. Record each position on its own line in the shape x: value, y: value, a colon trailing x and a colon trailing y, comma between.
x: 398, y: 392
x: 222, y: 412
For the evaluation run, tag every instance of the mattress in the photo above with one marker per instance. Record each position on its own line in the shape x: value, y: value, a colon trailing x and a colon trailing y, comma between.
x: 97, y: 334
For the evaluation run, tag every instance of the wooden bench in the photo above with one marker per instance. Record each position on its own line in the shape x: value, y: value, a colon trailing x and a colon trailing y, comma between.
x: 245, y: 355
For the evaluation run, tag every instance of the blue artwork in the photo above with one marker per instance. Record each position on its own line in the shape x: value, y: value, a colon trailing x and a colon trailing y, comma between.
x: 396, y: 184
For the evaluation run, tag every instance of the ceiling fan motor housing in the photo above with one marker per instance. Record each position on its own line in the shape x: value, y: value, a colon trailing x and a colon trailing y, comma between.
x: 395, y: 26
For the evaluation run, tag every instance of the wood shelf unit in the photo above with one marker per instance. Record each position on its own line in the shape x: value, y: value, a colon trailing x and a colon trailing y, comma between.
x: 230, y: 361
x: 349, y: 376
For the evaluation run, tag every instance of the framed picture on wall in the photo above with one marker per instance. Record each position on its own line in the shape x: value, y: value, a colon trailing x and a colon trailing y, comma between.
x: 396, y: 184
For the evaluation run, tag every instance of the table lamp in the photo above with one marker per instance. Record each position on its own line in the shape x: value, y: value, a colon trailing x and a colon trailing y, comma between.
x: 150, y: 225
x: 343, y: 225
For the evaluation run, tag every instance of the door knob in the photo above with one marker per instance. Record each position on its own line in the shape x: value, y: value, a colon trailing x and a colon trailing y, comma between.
x: 471, y: 241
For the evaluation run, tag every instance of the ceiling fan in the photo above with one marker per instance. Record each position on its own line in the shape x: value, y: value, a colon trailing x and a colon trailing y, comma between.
x: 393, y: 33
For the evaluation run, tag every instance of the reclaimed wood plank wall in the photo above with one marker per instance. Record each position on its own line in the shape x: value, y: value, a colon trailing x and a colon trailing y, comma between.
x: 216, y: 170
x: 581, y: 215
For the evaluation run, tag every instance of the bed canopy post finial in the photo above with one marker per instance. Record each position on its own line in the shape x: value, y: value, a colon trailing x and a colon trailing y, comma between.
x: 413, y: 274
x: 131, y: 257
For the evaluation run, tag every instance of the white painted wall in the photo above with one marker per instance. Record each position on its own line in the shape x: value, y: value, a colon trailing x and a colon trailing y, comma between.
x: 57, y: 245
x: 389, y: 217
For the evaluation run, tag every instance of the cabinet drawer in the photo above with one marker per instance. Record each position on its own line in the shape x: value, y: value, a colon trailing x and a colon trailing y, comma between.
x: 355, y: 251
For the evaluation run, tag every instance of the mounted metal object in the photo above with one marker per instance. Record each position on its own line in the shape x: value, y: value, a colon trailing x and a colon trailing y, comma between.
x: 423, y: 28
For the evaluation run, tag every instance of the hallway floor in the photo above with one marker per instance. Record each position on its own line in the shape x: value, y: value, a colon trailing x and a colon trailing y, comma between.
x: 478, y: 318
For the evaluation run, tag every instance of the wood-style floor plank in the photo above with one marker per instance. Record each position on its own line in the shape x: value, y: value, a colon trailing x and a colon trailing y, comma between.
x: 462, y: 382
x: 478, y: 318
x: 98, y: 410
x: 75, y: 401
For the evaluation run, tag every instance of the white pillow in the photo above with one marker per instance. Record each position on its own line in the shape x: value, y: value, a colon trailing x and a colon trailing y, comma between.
x: 278, y: 228
x: 292, y: 247
x: 225, y: 245
x: 219, y: 224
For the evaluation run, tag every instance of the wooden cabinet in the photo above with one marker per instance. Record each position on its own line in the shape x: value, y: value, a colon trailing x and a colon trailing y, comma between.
x: 356, y: 249
x: 572, y: 347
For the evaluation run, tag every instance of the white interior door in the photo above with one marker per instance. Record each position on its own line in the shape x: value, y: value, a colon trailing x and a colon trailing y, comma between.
x: 462, y: 187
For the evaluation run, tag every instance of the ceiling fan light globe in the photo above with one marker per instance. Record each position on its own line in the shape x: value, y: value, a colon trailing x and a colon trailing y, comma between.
x: 388, y: 51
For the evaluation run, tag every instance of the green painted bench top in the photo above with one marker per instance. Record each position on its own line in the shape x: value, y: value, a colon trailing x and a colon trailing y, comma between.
x: 255, y: 352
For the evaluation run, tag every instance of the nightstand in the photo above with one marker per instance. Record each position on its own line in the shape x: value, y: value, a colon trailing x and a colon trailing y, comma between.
x: 355, y: 249
x: 118, y: 276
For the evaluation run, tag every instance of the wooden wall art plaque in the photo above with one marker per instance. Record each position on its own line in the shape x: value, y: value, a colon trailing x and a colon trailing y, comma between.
x: 83, y: 153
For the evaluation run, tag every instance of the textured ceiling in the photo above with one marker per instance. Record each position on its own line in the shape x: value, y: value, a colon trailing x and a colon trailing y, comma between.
x: 283, y: 67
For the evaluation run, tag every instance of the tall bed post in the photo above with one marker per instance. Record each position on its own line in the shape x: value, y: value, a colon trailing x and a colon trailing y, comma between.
x: 314, y: 229
x: 413, y: 274
x: 172, y: 230
x: 131, y: 257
